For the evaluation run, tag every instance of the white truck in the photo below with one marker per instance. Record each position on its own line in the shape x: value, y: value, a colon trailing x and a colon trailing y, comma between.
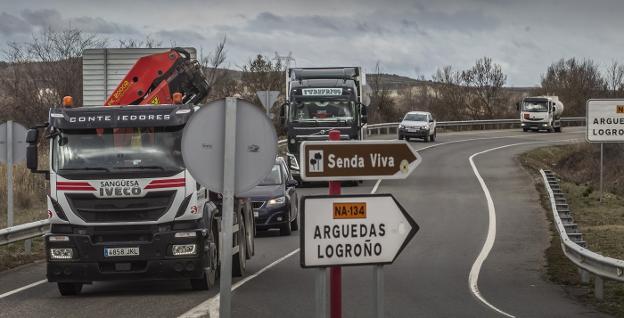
x: 540, y: 113
x: 121, y: 203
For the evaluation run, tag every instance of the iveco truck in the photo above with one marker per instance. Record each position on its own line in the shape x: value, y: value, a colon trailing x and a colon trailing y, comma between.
x: 540, y: 113
x: 319, y: 100
x: 122, y: 205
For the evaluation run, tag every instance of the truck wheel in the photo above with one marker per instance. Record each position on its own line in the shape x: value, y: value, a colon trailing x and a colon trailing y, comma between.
x: 239, y: 259
x: 558, y: 129
x: 211, y: 256
x: 69, y: 289
x: 250, y: 234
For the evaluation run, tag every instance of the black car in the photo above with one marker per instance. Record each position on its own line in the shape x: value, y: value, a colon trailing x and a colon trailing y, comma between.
x: 274, y: 200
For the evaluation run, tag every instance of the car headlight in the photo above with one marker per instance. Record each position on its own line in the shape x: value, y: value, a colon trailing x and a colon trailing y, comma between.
x: 401, y: 126
x: 276, y: 201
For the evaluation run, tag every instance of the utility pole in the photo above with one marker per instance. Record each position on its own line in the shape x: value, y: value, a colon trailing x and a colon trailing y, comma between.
x: 287, y: 58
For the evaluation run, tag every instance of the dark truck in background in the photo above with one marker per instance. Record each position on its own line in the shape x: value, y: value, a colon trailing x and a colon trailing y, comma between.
x: 319, y: 100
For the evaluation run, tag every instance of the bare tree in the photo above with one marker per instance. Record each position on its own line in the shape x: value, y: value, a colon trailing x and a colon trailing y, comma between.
x: 486, y: 80
x: 43, y: 70
x: 615, y: 79
x: 382, y: 106
x: 574, y: 82
x: 148, y: 42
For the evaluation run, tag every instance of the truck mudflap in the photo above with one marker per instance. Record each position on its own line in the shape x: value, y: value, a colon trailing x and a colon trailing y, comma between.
x: 150, y: 259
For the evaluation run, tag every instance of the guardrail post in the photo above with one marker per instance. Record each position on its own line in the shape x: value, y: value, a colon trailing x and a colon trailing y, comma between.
x: 585, y: 277
x: 599, y: 288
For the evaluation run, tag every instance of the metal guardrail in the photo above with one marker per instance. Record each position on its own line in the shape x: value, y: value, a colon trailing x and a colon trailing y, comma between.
x: 572, y: 243
x: 23, y: 232
x: 376, y: 129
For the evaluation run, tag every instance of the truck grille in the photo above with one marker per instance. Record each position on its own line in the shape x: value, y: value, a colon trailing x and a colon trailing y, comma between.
x: 148, y: 208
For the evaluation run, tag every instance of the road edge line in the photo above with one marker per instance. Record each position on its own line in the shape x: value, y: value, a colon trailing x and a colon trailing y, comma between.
x: 15, y: 291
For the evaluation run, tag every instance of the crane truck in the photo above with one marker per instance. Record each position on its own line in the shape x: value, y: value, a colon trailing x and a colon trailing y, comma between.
x: 319, y: 100
x: 540, y: 113
x: 121, y: 204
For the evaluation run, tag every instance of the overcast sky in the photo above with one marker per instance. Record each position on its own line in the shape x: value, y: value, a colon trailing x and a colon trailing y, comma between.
x: 408, y: 37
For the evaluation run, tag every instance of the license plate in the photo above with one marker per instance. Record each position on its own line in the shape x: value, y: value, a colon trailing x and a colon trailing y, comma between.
x: 412, y: 130
x: 255, y: 214
x: 121, y: 251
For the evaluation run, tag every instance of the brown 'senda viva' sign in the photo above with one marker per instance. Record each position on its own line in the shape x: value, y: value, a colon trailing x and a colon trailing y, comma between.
x: 357, y: 160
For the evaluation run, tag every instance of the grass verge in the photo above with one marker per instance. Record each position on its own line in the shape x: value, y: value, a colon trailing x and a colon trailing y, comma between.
x: 602, y: 225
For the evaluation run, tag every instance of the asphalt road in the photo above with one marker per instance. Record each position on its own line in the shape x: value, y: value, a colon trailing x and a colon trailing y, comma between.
x: 429, y: 279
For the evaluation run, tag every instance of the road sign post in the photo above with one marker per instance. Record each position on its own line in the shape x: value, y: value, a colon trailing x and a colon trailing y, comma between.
x: 335, y: 271
x: 605, y: 124
x: 228, y: 146
x: 335, y: 161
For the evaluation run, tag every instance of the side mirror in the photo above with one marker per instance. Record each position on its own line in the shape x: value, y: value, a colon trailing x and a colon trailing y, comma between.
x: 215, y: 197
x: 364, y: 113
x: 292, y: 183
x: 518, y: 106
x: 32, y: 136
x: 282, y: 114
x: 32, y: 159
x: 431, y: 120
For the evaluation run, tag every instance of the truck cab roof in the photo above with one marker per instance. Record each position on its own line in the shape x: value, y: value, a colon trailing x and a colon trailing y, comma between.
x: 130, y: 116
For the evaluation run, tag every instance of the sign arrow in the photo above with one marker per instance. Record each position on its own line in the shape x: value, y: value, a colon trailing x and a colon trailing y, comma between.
x: 357, y: 160
x: 353, y: 230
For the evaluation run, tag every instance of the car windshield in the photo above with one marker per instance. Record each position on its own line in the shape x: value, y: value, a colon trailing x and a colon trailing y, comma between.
x: 322, y: 110
x: 535, y: 106
x: 273, y: 178
x: 416, y: 117
x: 117, y: 150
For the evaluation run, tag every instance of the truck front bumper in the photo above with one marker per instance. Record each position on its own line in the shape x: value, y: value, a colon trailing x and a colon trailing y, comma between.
x: 154, y: 262
x: 535, y: 125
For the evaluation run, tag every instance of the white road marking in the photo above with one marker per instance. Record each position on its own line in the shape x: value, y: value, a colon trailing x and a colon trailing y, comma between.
x: 7, y: 294
x: 211, y: 306
x: 473, y: 278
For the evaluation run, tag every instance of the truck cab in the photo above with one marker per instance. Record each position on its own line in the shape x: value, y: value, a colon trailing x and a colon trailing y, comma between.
x: 540, y: 113
x: 320, y: 100
x: 122, y: 205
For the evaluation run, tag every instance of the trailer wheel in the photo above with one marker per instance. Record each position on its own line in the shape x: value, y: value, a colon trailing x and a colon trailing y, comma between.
x: 69, y: 289
x: 239, y: 259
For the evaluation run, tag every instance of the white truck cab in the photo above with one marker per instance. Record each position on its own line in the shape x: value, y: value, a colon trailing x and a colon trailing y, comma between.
x: 540, y: 113
x: 417, y: 124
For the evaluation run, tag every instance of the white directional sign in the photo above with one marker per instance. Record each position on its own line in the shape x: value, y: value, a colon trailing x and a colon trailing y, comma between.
x: 353, y: 230
x: 17, y: 142
x: 267, y: 98
x: 605, y: 120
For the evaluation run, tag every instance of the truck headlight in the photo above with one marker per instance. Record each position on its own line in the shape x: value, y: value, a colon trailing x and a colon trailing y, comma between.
x: 276, y: 201
x: 184, y: 249
x: 61, y: 253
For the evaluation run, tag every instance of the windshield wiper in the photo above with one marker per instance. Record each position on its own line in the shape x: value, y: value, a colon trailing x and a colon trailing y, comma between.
x: 142, y: 168
x: 85, y: 168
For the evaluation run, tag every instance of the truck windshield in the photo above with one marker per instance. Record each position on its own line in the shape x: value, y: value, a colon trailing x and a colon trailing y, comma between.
x: 535, y: 106
x: 322, y: 110
x: 120, y: 150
